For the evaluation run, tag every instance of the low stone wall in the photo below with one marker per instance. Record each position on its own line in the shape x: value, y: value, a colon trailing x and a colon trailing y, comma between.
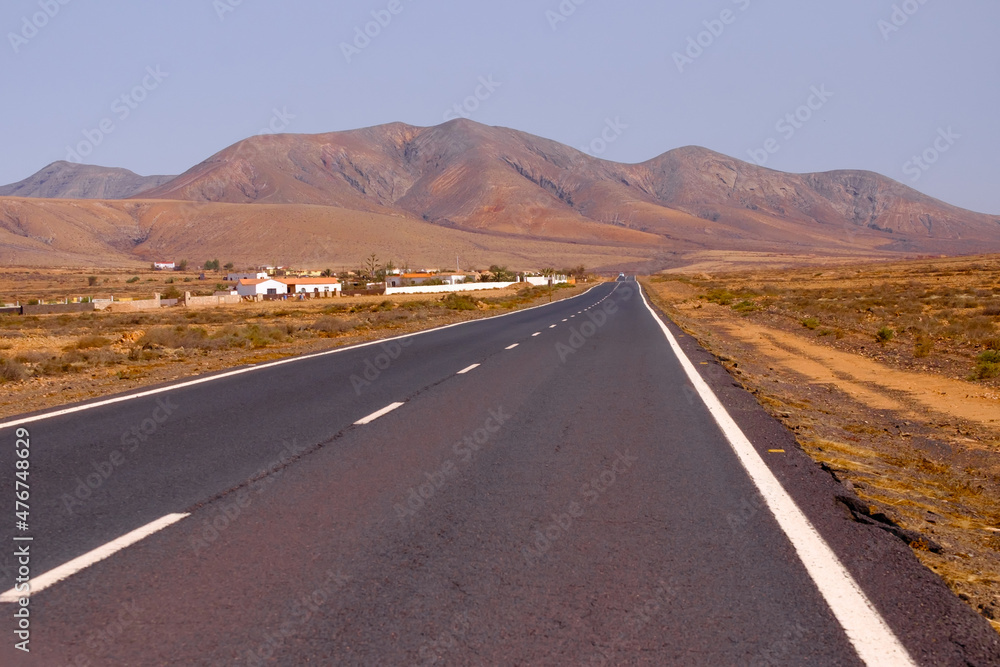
x: 128, y: 306
x: 209, y: 301
x: 54, y: 309
x: 436, y: 289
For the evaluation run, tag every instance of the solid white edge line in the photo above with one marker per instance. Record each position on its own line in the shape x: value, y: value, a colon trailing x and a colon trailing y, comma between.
x: 868, y: 632
x: 466, y: 370
x: 40, y: 583
x: 260, y: 367
x: 375, y: 415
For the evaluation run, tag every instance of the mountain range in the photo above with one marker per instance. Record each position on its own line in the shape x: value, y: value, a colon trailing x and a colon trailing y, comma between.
x: 469, y: 189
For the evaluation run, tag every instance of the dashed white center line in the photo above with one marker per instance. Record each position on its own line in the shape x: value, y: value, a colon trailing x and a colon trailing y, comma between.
x: 375, y: 415
x: 511, y: 347
x: 86, y: 560
x: 553, y: 326
x: 536, y: 334
x: 566, y: 320
x: 470, y: 368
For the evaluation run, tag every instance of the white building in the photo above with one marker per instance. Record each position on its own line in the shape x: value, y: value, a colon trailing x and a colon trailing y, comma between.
x: 164, y: 266
x: 257, y: 287
x: 236, y: 277
x: 317, y: 286
x: 540, y: 281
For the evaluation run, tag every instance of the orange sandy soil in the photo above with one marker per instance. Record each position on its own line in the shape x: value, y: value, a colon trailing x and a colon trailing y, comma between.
x: 913, y: 434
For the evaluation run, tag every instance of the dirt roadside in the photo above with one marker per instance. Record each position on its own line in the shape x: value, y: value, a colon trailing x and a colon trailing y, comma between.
x: 919, y: 444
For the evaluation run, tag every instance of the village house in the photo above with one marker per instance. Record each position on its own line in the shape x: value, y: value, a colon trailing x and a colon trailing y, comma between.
x: 164, y: 266
x: 259, y: 287
x: 322, y: 286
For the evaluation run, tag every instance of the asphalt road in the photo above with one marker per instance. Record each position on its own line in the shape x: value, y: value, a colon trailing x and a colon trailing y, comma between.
x: 567, y: 499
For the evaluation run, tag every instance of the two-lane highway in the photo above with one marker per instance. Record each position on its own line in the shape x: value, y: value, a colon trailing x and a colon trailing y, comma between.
x: 549, y: 487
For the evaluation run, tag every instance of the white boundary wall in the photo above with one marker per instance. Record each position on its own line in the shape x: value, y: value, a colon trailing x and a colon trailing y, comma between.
x: 434, y: 289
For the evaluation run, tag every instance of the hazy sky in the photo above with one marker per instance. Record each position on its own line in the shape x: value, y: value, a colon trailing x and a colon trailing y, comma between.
x: 887, y: 80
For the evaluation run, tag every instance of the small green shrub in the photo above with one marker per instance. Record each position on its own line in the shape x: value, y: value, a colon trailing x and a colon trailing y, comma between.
x: 746, y: 306
x: 987, y: 365
x: 723, y: 297
x: 884, y: 335
x: 330, y: 325
x: 810, y: 323
x: 11, y: 371
x: 458, y: 302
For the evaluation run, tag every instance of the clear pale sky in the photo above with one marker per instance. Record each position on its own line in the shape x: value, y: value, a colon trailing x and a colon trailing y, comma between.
x: 890, y: 91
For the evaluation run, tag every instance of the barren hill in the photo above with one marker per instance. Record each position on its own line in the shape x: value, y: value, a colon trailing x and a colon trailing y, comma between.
x: 497, y: 187
x: 472, y: 176
x: 66, y: 180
